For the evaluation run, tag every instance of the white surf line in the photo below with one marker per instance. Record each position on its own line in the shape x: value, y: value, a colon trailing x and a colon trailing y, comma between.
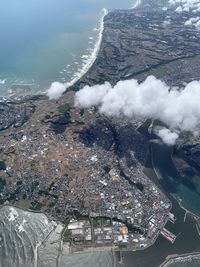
x: 93, y: 55
x: 2, y: 81
x: 96, y: 49
x: 138, y: 2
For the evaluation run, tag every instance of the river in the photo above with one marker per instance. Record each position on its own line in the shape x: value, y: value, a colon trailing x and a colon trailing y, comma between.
x: 161, y: 170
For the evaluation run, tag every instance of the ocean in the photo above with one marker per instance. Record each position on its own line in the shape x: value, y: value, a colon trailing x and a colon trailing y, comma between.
x: 48, y: 40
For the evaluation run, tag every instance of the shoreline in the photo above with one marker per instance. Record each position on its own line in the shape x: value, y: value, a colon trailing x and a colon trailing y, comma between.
x: 92, y: 56
x: 86, y: 67
x: 78, y: 75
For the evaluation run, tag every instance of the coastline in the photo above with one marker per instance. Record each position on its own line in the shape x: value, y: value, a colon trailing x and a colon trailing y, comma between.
x: 93, y: 55
x: 77, y: 76
x: 86, y: 67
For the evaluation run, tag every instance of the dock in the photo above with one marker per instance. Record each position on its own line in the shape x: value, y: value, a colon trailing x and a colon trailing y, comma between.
x: 172, y: 217
x: 168, y: 235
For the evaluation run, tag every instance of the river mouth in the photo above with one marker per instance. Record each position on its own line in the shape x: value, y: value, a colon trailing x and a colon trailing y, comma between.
x: 183, y: 189
x: 161, y: 170
x: 161, y: 167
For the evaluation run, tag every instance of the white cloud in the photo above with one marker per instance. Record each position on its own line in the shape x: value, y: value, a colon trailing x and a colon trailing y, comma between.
x: 172, y: 2
x: 167, y: 136
x: 197, y: 25
x: 178, y: 109
x: 91, y: 96
x: 166, y: 22
x: 56, y: 90
x: 188, y: 22
x: 186, y: 5
x: 179, y: 9
x: 186, y: 9
x: 193, y: 22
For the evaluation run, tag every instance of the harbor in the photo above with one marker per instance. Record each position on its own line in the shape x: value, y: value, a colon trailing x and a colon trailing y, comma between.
x: 168, y: 235
x: 184, y: 227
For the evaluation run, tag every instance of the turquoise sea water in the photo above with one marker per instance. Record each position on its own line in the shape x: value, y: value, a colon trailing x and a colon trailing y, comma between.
x: 48, y: 40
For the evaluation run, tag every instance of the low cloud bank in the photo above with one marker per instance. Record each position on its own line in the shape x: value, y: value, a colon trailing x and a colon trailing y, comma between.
x: 178, y: 109
x: 56, y: 90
